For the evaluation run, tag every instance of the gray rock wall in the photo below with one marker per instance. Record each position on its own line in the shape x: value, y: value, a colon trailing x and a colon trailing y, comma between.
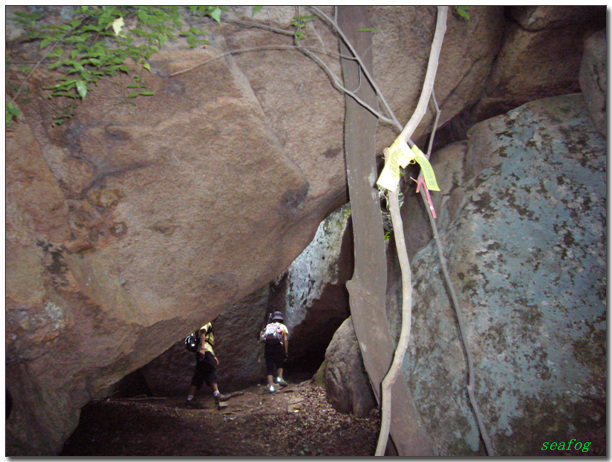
x: 527, y: 255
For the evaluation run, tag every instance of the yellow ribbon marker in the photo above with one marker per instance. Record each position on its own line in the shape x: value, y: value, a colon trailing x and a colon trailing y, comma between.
x: 389, y: 177
x: 399, y: 155
x: 428, y: 173
x: 404, y: 154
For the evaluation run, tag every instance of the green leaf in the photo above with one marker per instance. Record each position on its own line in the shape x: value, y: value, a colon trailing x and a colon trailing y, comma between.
x: 256, y: 9
x: 45, y: 42
x: 81, y: 88
x: 216, y: 14
x: 11, y: 112
x: 368, y: 29
x: 55, y: 53
x: 95, y: 43
x: 463, y: 12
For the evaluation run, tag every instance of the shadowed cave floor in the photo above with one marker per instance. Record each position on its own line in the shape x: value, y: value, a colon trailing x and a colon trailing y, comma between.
x: 297, y: 421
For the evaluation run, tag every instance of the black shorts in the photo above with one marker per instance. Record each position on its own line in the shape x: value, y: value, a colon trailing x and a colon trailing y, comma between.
x: 275, y: 357
x: 205, y: 370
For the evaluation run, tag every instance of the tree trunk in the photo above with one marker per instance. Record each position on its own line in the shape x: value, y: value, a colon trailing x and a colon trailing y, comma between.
x: 367, y: 288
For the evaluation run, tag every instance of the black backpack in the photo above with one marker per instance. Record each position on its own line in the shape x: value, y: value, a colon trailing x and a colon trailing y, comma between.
x: 192, y: 341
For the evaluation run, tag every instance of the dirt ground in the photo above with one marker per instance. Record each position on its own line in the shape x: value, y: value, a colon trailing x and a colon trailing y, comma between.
x: 295, y: 421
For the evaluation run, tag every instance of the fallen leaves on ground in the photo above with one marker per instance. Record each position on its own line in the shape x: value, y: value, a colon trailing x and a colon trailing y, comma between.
x: 296, y: 421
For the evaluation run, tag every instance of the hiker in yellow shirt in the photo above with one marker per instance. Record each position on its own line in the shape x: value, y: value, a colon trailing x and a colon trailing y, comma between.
x: 206, y: 366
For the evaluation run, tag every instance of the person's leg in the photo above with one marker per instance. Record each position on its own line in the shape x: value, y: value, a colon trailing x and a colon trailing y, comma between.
x: 192, y: 391
x: 279, y: 378
x: 211, y: 376
x: 270, y: 365
x: 197, y: 381
x: 279, y: 359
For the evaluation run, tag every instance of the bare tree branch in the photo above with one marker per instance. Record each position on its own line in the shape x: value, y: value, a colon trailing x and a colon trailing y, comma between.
x: 249, y: 50
x: 449, y: 284
x: 361, y: 64
x: 398, y: 230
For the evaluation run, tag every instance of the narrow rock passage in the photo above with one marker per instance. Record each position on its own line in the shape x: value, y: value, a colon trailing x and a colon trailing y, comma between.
x: 296, y: 421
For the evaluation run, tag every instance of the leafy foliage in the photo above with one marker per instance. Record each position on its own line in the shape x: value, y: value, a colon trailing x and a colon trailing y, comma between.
x: 300, y: 22
x: 12, y: 113
x: 463, y: 12
x: 97, y: 43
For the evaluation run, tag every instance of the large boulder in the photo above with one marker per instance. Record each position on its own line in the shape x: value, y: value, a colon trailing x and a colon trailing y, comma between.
x: 140, y: 230
x: 526, y: 252
x: 346, y: 381
x: 540, y: 57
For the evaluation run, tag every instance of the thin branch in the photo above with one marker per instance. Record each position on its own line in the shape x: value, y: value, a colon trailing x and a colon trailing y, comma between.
x: 365, y: 70
x: 340, y: 87
x: 462, y: 331
x: 430, y: 76
x: 402, y: 345
x: 252, y: 49
x: 392, y: 120
x: 250, y: 24
x: 435, y: 124
x: 308, y: 52
x: 400, y: 242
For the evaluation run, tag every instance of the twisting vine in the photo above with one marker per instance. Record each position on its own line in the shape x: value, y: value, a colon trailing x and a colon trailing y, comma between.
x: 400, y: 241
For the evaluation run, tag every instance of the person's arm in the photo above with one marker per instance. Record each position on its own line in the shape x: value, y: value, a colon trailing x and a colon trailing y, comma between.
x: 202, y: 338
x: 286, y: 342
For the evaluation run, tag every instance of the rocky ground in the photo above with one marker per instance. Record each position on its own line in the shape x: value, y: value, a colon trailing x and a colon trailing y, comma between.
x: 296, y: 421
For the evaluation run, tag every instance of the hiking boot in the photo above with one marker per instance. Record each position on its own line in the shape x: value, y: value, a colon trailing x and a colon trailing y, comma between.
x: 271, y: 388
x: 281, y: 382
x: 220, y: 398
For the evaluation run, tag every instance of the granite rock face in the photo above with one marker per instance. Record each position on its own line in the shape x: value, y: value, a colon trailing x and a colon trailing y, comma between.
x: 527, y: 256
x: 312, y: 293
x: 540, y: 57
